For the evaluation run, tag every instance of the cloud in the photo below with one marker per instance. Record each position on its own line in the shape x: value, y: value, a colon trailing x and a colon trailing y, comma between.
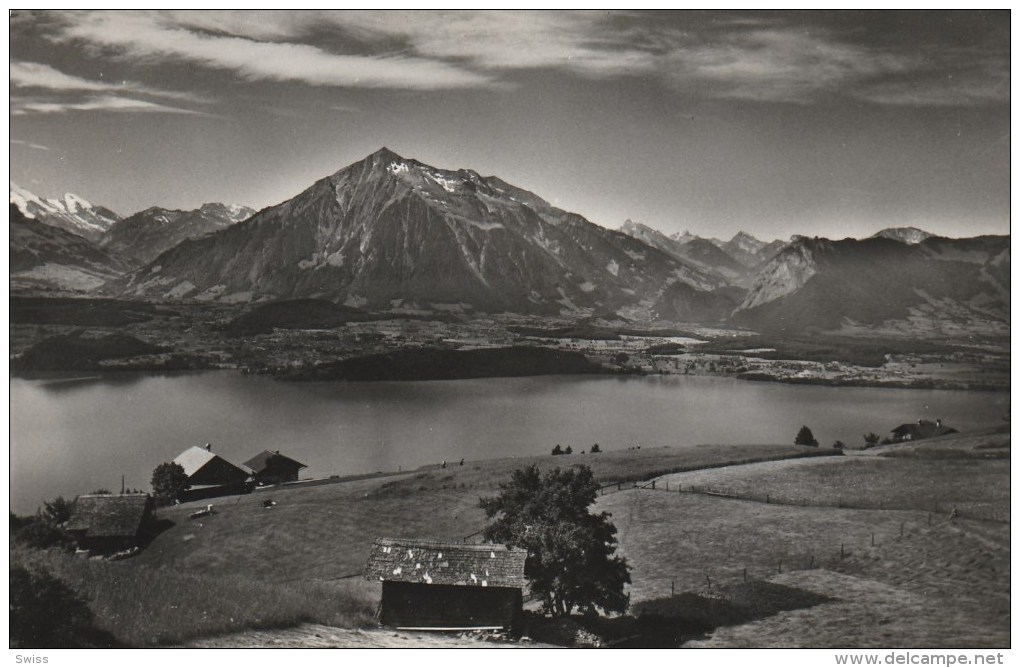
x: 28, y: 144
x: 24, y: 74
x: 729, y: 55
x: 154, y: 38
x: 112, y: 103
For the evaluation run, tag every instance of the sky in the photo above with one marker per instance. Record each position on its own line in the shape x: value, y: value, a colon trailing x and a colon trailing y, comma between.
x: 827, y: 124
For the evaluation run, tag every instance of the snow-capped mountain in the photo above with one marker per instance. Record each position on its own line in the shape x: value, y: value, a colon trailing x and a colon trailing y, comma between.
x: 70, y: 212
x: 47, y: 257
x: 389, y: 231
x: 146, y: 234
x: 908, y: 235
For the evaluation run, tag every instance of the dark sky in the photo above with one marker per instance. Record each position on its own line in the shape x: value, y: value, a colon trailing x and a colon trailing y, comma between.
x: 828, y: 123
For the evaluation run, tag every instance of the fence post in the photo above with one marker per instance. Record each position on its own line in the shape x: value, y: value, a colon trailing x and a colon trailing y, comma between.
x: 768, y: 499
x: 811, y: 564
x: 901, y: 529
x: 745, y: 573
x: 841, y: 552
x: 780, y: 565
x: 929, y: 519
x: 872, y: 539
x: 672, y: 587
x: 653, y: 484
x: 709, y: 580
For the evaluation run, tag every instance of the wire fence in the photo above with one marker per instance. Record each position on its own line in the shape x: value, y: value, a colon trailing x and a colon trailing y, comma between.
x: 936, y: 506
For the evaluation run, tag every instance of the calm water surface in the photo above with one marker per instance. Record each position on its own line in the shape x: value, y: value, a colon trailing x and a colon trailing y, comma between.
x: 69, y: 438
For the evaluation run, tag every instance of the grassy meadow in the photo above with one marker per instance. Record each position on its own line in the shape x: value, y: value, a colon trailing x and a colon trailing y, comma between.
x: 251, y: 567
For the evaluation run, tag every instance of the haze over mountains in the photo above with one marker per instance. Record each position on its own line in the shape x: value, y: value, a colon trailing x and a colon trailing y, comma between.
x: 391, y: 233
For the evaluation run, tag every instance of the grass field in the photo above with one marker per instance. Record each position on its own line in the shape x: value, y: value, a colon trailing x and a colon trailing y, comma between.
x: 887, y: 570
x: 143, y: 606
x: 869, y: 576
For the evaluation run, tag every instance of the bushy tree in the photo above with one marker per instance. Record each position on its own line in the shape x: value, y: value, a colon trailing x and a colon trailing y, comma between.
x: 568, y: 450
x: 871, y: 439
x: 57, y: 511
x: 571, y: 562
x: 805, y: 437
x: 595, y: 449
x: 168, y: 481
x: 557, y: 450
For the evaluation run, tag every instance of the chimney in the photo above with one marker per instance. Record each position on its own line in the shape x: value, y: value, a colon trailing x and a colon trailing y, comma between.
x: 938, y: 422
x: 208, y: 447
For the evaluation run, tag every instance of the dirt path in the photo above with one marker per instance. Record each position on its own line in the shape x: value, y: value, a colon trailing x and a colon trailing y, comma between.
x: 314, y: 636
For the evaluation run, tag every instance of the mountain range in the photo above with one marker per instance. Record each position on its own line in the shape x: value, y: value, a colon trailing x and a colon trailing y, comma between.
x: 392, y: 233
x: 389, y: 231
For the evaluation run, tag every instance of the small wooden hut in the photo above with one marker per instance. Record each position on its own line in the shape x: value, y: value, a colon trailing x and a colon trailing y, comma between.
x: 271, y: 468
x: 109, y: 522
x: 434, y: 585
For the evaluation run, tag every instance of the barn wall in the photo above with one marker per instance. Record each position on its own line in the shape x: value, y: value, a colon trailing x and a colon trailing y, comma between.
x: 420, y: 605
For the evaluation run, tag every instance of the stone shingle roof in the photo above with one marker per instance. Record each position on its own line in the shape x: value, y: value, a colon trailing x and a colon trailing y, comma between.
x: 108, y: 515
x: 437, y: 562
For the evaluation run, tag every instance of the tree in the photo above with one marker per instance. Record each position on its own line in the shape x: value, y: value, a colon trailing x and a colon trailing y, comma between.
x: 568, y: 450
x: 571, y: 561
x: 871, y: 439
x: 805, y: 437
x: 838, y: 445
x: 557, y: 450
x: 57, y: 511
x: 595, y: 449
x: 168, y: 481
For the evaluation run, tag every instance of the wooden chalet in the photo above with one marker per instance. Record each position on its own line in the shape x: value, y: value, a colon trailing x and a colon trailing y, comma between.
x: 919, y: 430
x: 108, y: 523
x: 433, y: 585
x: 271, y: 468
x: 210, y: 475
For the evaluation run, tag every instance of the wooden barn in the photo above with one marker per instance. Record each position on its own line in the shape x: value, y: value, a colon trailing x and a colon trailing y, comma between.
x: 271, y: 468
x: 916, y: 431
x: 210, y: 475
x: 108, y: 523
x: 433, y: 585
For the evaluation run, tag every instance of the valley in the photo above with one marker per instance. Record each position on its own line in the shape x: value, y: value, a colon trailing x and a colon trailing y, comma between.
x: 207, y: 336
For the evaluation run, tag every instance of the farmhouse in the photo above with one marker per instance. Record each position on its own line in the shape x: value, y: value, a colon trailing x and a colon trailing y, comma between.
x: 211, y: 475
x: 433, y: 585
x: 919, y: 430
x: 271, y: 468
x: 109, y: 522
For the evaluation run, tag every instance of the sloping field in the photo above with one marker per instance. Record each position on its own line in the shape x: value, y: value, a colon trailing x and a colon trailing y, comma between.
x: 325, y: 532
x: 897, y: 577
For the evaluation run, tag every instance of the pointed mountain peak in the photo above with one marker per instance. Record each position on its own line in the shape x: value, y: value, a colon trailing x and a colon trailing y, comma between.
x: 384, y: 155
x: 742, y: 236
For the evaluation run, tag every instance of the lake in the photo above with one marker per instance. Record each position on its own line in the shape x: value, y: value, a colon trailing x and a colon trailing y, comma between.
x: 72, y: 437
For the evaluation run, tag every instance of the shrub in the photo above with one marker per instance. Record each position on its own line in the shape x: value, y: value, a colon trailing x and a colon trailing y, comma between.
x: 557, y: 450
x: 805, y: 437
x: 595, y: 449
x: 871, y: 439
x: 568, y: 450
x: 45, y: 613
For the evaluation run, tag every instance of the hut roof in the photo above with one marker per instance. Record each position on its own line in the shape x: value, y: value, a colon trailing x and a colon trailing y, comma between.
x: 260, y: 462
x: 108, y: 515
x: 437, y: 562
x: 923, y: 429
x: 195, y: 458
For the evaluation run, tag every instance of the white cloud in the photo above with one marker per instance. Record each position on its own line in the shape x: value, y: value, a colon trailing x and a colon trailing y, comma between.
x: 25, y: 106
x: 28, y: 144
x: 728, y: 56
x: 152, y: 38
x: 24, y: 74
